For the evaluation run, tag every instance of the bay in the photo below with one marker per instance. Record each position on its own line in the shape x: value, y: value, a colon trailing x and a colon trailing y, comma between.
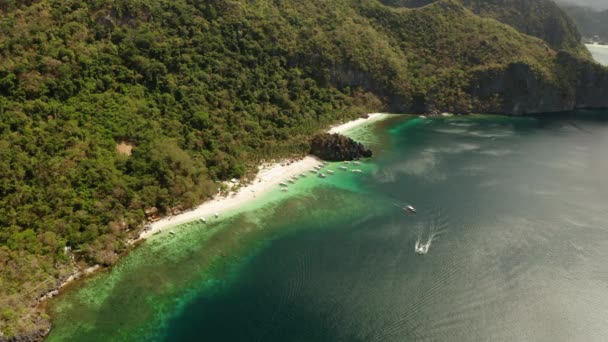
x: 516, y: 209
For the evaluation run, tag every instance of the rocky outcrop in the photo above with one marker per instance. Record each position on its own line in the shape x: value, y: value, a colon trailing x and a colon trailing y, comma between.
x: 519, y: 89
x: 336, y: 147
x: 590, y: 81
x: 33, y: 336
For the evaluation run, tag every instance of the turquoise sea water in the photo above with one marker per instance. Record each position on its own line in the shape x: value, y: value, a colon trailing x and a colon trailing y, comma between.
x: 517, y: 208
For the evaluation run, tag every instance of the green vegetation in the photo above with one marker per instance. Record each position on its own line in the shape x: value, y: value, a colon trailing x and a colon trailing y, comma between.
x: 592, y: 23
x: 202, y: 91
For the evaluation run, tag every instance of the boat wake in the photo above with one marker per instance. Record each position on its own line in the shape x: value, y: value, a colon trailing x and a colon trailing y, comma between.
x: 421, y: 247
x: 435, y: 228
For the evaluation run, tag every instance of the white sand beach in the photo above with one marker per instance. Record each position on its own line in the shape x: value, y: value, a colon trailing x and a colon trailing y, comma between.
x: 267, y: 179
x: 354, y: 123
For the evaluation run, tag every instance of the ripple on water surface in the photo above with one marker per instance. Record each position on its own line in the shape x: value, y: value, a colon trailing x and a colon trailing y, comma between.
x: 514, y: 209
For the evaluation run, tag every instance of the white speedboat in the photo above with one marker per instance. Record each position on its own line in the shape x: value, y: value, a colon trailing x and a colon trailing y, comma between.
x: 420, y: 248
x: 202, y: 219
x: 357, y: 171
x: 331, y: 172
x: 356, y: 163
x: 343, y: 168
x: 321, y: 175
x: 284, y: 189
x: 410, y: 208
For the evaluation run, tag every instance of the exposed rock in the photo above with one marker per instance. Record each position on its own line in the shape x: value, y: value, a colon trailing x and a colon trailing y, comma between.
x: 336, y: 147
x: 34, y: 336
x: 519, y: 89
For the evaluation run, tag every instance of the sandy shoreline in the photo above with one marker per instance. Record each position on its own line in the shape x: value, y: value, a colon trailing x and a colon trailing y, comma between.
x: 357, y: 122
x: 267, y: 179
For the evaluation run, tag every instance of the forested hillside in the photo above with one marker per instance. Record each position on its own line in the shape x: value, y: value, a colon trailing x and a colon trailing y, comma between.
x: 110, y: 107
x: 592, y: 23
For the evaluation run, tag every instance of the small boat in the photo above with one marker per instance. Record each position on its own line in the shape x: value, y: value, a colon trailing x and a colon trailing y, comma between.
x: 291, y: 181
x: 421, y: 249
x: 172, y: 232
x: 422, y: 116
x: 202, y: 219
x: 313, y: 171
x: 346, y: 162
x: 217, y: 215
x: 283, y: 184
x: 356, y: 163
x: 343, y: 168
x: 284, y: 189
x: 331, y: 172
x: 410, y: 209
x: 447, y: 114
x: 357, y: 171
x: 322, y: 175
x: 303, y: 175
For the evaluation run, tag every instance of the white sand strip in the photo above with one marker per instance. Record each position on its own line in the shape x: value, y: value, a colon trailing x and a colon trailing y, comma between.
x: 373, y: 117
x: 267, y: 179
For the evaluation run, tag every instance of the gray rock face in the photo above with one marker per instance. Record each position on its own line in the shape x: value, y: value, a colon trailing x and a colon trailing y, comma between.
x: 336, y: 147
x: 519, y: 89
